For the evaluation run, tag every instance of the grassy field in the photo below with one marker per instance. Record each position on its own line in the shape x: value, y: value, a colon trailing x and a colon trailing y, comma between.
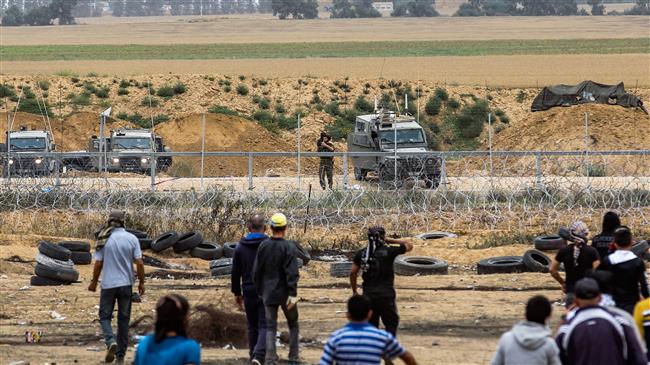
x: 324, y: 49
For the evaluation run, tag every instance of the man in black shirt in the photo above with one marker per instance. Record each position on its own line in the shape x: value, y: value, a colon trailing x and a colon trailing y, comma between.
x: 601, y: 241
x: 628, y: 272
x: 578, y: 259
x: 376, y: 264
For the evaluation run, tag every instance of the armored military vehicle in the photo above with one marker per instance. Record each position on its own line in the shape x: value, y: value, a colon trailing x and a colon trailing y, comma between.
x: 24, y: 147
x: 387, y: 131
x: 125, y: 147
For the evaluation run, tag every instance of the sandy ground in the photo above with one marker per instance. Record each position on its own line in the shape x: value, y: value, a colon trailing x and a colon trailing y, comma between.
x: 452, y: 319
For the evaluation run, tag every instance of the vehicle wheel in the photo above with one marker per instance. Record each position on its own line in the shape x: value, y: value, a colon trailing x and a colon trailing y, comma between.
x: 54, y: 263
x: 340, y: 269
x: 41, y: 281
x: 536, y: 261
x: 75, y: 246
x: 640, y: 249
x: 81, y: 258
x: 164, y: 241
x: 229, y: 249
x: 67, y: 275
x: 145, y: 243
x: 51, y: 250
x: 420, y: 265
x: 188, y: 241
x: 432, y: 182
x: 207, y: 251
x: 136, y: 233
x: 501, y: 265
x: 435, y: 235
x: 549, y: 243
x: 387, y: 178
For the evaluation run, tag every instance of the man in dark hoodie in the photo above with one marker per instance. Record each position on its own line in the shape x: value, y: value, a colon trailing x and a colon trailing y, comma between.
x: 242, y: 275
x: 275, y: 274
x: 529, y: 341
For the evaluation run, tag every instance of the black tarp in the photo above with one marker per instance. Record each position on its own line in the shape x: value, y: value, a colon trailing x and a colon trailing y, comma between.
x: 585, y: 92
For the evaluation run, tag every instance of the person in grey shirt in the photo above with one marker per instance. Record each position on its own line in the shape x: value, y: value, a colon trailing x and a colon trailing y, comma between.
x: 114, y: 260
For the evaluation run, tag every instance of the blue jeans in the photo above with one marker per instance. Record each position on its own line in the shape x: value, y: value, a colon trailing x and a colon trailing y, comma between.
x: 256, y: 325
x: 107, y: 299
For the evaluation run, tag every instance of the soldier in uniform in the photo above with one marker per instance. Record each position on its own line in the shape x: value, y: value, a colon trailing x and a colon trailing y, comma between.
x: 326, y: 169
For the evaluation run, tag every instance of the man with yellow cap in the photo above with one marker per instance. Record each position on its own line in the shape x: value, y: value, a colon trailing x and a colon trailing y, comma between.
x: 275, y: 274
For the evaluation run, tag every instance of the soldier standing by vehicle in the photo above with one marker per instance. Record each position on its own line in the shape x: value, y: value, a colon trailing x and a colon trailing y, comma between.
x: 376, y: 264
x: 326, y: 168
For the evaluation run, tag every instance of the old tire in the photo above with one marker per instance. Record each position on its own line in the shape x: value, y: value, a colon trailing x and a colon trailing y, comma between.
x: 420, y: 265
x: 340, y: 269
x: 67, y: 275
x: 81, y: 258
x: 641, y: 248
x: 221, y: 267
x: 136, y: 233
x: 220, y: 263
x: 41, y: 281
x: 54, y: 263
x: 188, y: 241
x: 75, y: 246
x: 549, y: 243
x: 536, y: 261
x: 207, y: 251
x: 145, y: 243
x: 164, y: 241
x: 221, y: 271
x: 500, y: 265
x: 51, y: 250
x: 229, y: 249
x: 435, y: 235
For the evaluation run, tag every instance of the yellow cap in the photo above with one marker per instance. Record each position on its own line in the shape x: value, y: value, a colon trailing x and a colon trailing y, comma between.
x: 278, y: 220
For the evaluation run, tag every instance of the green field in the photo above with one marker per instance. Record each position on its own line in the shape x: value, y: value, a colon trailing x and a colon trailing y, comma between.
x: 324, y: 49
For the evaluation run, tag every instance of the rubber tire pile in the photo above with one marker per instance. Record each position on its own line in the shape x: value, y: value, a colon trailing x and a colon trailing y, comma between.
x: 191, y: 242
x: 531, y: 261
x: 53, y: 266
x: 403, y: 266
x: 223, y: 267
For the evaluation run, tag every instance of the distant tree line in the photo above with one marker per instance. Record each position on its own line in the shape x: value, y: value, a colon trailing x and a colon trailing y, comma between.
x: 365, y: 9
x: 543, y: 8
x: 38, y: 12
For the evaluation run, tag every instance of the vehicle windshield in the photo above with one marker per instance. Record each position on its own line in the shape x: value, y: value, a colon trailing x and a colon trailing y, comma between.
x: 404, y: 136
x: 32, y: 143
x: 131, y: 143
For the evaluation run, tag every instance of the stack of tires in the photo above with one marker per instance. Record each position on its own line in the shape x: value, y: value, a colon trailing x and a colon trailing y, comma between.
x: 190, y: 242
x: 79, y: 252
x: 143, y: 238
x: 53, y: 266
x: 531, y: 261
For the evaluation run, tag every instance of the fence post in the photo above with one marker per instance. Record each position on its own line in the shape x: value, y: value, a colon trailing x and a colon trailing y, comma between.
x: 58, y: 166
x: 538, y: 170
x: 250, y: 170
x: 443, y: 171
x: 346, y: 177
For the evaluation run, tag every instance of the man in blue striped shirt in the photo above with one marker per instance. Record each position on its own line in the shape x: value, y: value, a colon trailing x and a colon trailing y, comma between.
x: 360, y: 343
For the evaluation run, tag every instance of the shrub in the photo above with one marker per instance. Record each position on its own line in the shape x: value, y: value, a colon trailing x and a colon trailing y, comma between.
x: 433, y: 105
x: 441, y: 94
x: 280, y: 109
x: 595, y: 170
x: 227, y: 88
x: 332, y: 109
x: 219, y: 109
x: 242, y: 89
x: 210, y: 78
x: 149, y: 101
x: 122, y: 115
x: 181, y: 168
x: 92, y: 74
x: 315, y: 99
x: 256, y: 99
x: 165, y: 91
x: 34, y: 106
x: 521, y: 96
x: 453, y: 104
x: 124, y: 84
x: 81, y: 99
x: 286, y: 123
x: 90, y: 87
x: 504, y: 119
x: 44, y: 85
x: 262, y: 82
x: 180, y: 88
x: 45, y: 94
x: 160, y: 118
x: 242, y: 77
x: 74, y: 79
x: 7, y: 91
x: 364, y: 105
x: 265, y: 103
x: 122, y: 91
x: 343, y: 125
x: 103, y: 92
x: 470, y: 119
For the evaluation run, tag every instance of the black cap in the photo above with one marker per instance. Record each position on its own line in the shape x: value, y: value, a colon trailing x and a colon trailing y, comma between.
x: 586, y: 288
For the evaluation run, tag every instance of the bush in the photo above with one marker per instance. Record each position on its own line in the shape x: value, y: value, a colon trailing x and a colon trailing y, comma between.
x: 28, y: 93
x: 470, y: 119
x: 103, y: 92
x: 595, y: 170
x: 262, y: 82
x: 181, y: 168
x: 504, y: 119
x: 521, y: 96
x: 332, y: 109
x: 165, y: 91
x: 122, y: 91
x: 453, y: 104
x: 315, y: 99
x: 433, y: 106
x: 499, y: 113
x: 74, y: 79
x: 280, y: 109
x: 44, y: 85
x: 160, y: 118
x: 264, y: 103
x: 242, y: 77
x: 124, y: 84
x: 81, y: 99
x: 441, y: 94
x: 364, y: 105
x: 34, y: 106
x: 7, y: 91
x: 180, y: 88
x: 256, y: 99
x: 92, y: 74
x: 227, y: 88
x: 219, y: 109
x: 343, y: 125
x: 149, y: 101
x: 242, y: 89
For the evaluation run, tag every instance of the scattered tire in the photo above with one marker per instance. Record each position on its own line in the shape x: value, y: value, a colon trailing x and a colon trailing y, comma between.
x: 420, y: 265
x: 138, y: 234
x: 221, y: 267
x: 145, y: 243
x: 435, y: 235
x: 51, y: 250
x: 340, y: 269
x: 76, y: 246
x: 641, y: 248
x: 188, y: 241
x: 164, y: 241
x: 207, y: 251
x: 549, y: 243
x: 229, y: 249
x: 54, y: 263
x: 500, y: 265
x: 67, y: 275
x: 536, y: 261
x: 220, y: 263
x: 41, y: 281
x: 81, y: 258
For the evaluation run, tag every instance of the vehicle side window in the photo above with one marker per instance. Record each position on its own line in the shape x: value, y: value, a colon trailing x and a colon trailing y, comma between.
x: 361, y: 127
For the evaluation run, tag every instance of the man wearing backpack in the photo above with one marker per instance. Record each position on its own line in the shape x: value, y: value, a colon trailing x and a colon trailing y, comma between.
x: 376, y: 265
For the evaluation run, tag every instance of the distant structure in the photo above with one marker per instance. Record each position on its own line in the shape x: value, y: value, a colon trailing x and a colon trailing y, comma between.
x: 383, y: 6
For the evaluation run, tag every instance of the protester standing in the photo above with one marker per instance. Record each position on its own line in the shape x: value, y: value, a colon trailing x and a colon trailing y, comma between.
x: 115, y: 252
x: 169, y: 344
x: 326, y: 168
x: 376, y: 265
x: 275, y: 274
x: 359, y: 342
x: 578, y: 259
x: 529, y: 342
x: 628, y: 272
x: 601, y: 242
x: 242, y: 277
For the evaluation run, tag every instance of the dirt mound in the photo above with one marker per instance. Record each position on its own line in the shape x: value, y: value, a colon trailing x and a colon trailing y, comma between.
x: 610, y: 128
